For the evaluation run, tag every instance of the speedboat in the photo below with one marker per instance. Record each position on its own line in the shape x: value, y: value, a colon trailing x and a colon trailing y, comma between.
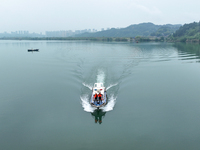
x: 97, y: 90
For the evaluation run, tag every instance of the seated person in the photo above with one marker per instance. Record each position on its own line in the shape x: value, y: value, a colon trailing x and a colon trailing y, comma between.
x: 95, y: 96
x: 99, y: 95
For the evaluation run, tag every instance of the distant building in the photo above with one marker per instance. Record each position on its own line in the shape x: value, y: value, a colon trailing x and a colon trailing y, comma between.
x: 94, y: 30
x: 20, y: 34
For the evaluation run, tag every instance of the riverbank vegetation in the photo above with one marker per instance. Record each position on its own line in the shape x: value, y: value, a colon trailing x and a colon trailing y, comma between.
x: 186, y: 33
x: 69, y: 38
x: 109, y: 39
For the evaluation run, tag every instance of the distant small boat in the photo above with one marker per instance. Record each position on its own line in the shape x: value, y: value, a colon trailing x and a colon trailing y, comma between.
x: 33, y: 50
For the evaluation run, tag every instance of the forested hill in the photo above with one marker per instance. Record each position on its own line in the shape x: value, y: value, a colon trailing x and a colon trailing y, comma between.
x: 143, y: 29
x: 166, y: 30
x: 187, y: 32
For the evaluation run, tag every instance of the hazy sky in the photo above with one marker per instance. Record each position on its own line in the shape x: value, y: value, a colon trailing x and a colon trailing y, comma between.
x: 51, y: 15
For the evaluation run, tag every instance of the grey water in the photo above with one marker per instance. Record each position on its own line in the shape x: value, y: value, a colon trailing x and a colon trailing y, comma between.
x: 153, y: 96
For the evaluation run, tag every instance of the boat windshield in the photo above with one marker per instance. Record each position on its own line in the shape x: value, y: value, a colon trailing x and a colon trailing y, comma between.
x: 98, y: 85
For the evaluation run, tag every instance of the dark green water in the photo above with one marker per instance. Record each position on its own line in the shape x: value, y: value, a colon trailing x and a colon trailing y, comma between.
x: 153, y: 93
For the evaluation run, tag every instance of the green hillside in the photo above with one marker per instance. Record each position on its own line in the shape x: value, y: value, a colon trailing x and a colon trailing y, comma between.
x: 142, y: 29
x: 186, y: 33
x: 165, y: 30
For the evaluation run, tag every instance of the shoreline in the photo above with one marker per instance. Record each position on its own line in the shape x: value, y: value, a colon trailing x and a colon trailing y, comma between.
x: 108, y: 39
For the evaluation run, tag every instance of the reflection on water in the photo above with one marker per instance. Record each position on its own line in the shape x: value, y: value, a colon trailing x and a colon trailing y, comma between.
x: 188, y: 51
x: 98, y: 114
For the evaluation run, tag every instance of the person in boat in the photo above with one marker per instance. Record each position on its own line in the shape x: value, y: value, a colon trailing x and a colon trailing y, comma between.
x: 95, y: 96
x: 99, y: 95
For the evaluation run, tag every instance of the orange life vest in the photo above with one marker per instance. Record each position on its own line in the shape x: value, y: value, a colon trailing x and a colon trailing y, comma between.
x: 95, y: 95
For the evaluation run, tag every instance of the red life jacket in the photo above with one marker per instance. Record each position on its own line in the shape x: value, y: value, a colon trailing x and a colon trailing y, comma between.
x: 95, y: 95
x: 99, y: 95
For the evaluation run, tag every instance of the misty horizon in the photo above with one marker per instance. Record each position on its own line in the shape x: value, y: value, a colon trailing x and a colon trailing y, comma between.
x: 40, y: 16
x: 78, y: 30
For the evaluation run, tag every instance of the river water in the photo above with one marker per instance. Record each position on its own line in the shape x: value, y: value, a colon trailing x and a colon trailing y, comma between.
x: 153, y: 96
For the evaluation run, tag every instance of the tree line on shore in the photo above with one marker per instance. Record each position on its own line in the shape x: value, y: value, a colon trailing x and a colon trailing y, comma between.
x: 144, y: 32
x: 186, y: 33
x: 69, y: 38
x: 109, y: 39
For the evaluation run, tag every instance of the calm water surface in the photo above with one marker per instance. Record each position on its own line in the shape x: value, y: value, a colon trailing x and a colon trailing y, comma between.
x: 153, y: 93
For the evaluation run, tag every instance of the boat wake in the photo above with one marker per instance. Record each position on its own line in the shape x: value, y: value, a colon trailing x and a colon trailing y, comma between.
x: 100, y: 76
x: 110, y: 86
x: 87, y: 85
x: 111, y: 104
x: 85, y: 103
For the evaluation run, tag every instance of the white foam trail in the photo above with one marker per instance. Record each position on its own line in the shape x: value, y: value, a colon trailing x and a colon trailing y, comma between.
x: 85, y: 103
x: 111, y: 104
x: 100, y: 76
x: 87, y: 85
x: 110, y: 86
x: 88, y: 108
